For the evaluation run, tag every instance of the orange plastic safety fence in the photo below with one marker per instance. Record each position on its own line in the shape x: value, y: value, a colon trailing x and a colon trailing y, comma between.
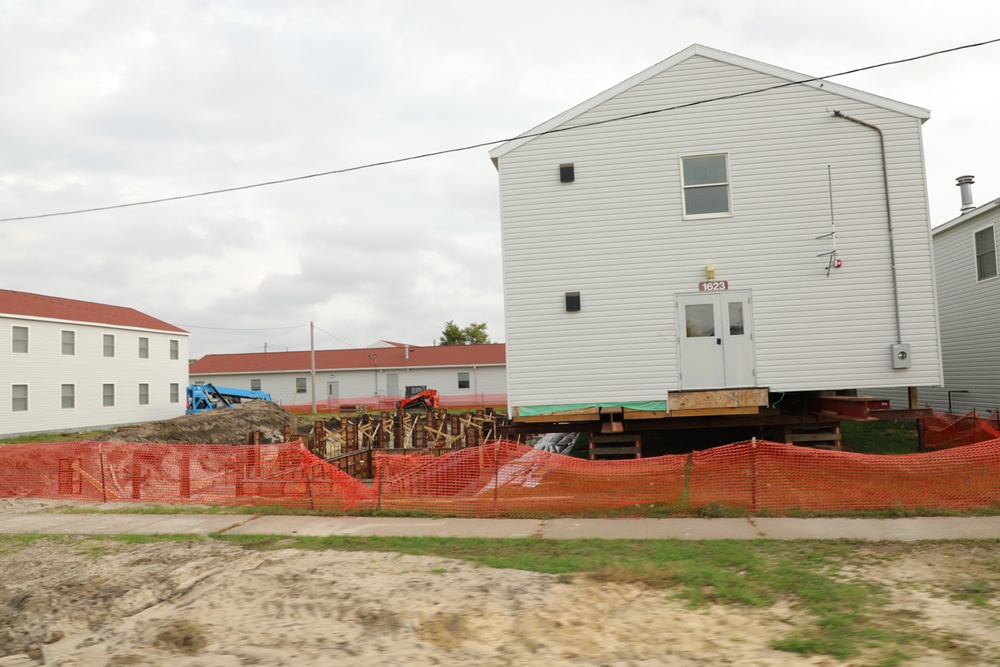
x: 509, y: 479
x: 280, y: 474
x: 506, y: 478
x: 943, y: 430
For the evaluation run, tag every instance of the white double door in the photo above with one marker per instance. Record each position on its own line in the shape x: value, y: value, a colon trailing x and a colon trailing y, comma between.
x: 715, y: 340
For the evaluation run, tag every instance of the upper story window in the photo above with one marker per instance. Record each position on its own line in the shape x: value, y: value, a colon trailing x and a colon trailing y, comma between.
x: 986, y: 254
x: 109, y: 345
x: 19, y: 340
x: 705, y: 181
x: 175, y: 350
x: 143, y: 348
x: 69, y: 343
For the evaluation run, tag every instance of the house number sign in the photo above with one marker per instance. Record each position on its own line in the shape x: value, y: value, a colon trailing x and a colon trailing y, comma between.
x: 713, y: 286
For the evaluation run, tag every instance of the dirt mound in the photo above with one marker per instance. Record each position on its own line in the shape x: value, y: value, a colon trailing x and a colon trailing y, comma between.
x: 226, y: 426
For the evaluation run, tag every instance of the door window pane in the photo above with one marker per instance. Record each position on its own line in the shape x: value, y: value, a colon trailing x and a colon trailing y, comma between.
x: 700, y: 319
x: 736, y: 318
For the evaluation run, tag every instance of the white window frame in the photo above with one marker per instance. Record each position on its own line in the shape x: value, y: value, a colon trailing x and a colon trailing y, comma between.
x: 63, y: 396
x: 15, y: 400
x: 255, y: 384
x: 175, y: 349
x: 15, y: 340
x: 106, y: 348
x: 143, y: 347
x: 105, y: 395
x: 300, y: 386
x: 71, y: 343
x: 975, y: 251
x: 467, y: 380
x: 143, y: 393
x: 175, y: 392
x: 685, y: 187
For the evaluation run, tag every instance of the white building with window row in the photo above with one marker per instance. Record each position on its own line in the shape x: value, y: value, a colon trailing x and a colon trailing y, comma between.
x: 72, y: 365
x: 716, y: 223
x: 465, y: 376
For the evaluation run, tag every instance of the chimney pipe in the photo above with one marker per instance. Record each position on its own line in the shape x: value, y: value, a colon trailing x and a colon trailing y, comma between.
x: 965, y: 183
x: 407, y: 354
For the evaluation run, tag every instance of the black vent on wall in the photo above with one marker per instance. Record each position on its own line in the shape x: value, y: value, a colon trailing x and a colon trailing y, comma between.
x: 566, y: 173
x: 572, y: 302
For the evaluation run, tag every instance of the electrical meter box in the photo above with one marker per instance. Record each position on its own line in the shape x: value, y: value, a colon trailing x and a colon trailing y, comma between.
x: 901, y: 355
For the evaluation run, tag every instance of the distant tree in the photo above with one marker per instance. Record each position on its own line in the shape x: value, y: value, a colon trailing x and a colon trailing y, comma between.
x: 474, y: 334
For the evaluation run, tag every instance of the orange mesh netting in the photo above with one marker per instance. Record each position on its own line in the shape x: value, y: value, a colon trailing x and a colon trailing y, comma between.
x: 944, y: 430
x: 508, y: 479
x: 281, y: 474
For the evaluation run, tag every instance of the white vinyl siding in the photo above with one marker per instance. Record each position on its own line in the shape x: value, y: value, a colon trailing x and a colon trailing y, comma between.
x: 969, y: 309
x: 19, y: 340
x: 619, y: 238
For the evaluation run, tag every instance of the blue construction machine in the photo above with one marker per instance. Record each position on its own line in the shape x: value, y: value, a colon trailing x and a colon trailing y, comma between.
x: 203, y: 397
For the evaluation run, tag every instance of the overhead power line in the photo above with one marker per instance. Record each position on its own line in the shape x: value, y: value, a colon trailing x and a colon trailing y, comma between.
x: 484, y: 144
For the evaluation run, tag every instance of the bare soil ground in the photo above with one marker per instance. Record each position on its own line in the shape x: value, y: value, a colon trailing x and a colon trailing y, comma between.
x: 228, y: 426
x: 86, y: 602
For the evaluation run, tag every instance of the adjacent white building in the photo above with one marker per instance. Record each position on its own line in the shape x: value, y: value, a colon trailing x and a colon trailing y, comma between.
x: 70, y: 365
x: 463, y: 375
x: 968, y: 292
x: 715, y: 223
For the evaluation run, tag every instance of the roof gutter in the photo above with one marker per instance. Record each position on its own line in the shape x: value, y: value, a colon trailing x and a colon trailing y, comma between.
x: 888, y: 214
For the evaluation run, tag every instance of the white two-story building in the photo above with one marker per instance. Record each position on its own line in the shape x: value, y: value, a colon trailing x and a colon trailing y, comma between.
x: 68, y: 365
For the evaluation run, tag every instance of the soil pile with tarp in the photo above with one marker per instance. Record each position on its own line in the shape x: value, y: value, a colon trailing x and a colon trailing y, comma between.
x: 224, y: 426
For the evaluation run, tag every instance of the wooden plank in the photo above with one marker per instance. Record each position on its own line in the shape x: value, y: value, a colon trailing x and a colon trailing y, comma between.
x: 644, y: 414
x: 717, y: 399
x: 711, y: 412
x: 812, y: 437
x: 560, y: 417
x: 618, y: 437
x: 628, y: 451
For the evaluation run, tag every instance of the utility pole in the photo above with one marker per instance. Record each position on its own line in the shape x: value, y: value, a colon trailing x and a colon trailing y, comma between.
x: 312, y: 363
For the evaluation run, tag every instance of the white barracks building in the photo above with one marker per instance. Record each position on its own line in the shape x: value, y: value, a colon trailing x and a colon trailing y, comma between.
x: 69, y: 365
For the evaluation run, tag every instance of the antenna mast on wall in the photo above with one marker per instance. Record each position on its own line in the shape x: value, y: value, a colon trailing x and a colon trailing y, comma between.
x: 834, y: 261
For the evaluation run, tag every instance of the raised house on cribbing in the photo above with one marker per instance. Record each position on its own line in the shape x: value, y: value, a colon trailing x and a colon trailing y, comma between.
x: 467, y: 376
x: 716, y: 236
x: 71, y: 365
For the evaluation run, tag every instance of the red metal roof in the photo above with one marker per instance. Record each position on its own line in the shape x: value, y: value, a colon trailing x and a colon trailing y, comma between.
x: 377, y: 357
x: 54, y: 308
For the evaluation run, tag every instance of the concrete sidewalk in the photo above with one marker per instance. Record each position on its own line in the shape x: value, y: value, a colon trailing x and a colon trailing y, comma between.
x: 911, y: 529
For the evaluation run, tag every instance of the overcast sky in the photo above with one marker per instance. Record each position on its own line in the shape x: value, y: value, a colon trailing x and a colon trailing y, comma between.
x: 105, y: 103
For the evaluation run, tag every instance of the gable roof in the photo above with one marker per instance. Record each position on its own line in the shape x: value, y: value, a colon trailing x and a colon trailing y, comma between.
x: 722, y: 56
x: 404, y: 356
x: 24, y: 304
x: 965, y: 217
